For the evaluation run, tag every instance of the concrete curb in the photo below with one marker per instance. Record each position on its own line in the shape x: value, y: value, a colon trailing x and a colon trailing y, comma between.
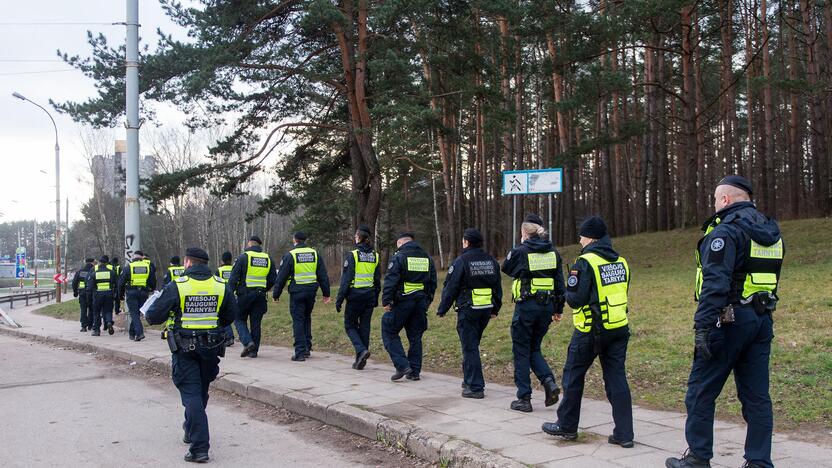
x: 429, y: 446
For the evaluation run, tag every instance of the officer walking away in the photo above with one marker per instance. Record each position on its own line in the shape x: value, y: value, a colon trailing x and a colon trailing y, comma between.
x: 409, y: 287
x: 224, y: 272
x: 597, y: 289
x: 360, y: 287
x: 473, y: 283
x: 738, y: 269
x: 101, y: 285
x: 303, y: 269
x: 119, y: 294
x: 252, y: 276
x: 175, y: 270
x: 135, y: 283
x: 79, y: 290
x: 537, y: 291
x: 201, y: 304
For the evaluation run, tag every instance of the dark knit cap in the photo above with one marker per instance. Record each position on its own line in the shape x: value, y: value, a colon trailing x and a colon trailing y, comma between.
x: 89, y: 260
x: 226, y: 256
x: 300, y: 235
x: 473, y: 236
x: 256, y: 239
x: 104, y: 259
x: 534, y: 219
x: 404, y: 234
x: 196, y: 252
x: 364, y: 229
x: 737, y: 181
x: 594, y: 228
x: 175, y: 260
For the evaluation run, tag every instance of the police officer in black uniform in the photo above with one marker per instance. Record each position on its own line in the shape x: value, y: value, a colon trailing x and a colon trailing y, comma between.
x: 360, y: 287
x: 101, y: 285
x: 224, y: 272
x: 200, y: 303
x: 597, y: 289
x: 305, y: 271
x: 134, y: 288
x: 538, y: 293
x: 739, y: 261
x: 174, y: 270
x: 473, y: 284
x: 119, y: 294
x: 79, y: 290
x: 409, y: 287
x: 252, y: 276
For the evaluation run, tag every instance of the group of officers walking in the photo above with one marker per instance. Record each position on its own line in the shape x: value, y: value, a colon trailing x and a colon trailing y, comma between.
x: 738, y: 268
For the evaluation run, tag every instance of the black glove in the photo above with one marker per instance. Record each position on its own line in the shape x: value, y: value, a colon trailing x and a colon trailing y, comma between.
x: 702, y: 342
x: 338, y: 307
x: 74, y: 293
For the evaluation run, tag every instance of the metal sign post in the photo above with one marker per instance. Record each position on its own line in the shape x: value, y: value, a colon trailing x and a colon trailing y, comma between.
x: 531, y: 182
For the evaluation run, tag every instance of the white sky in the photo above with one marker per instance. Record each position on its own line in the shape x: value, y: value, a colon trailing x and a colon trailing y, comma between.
x: 26, y: 134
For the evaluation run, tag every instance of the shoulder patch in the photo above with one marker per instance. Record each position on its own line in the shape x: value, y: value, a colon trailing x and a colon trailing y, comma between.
x: 346, y: 263
x: 451, y: 270
x: 181, y: 279
x: 572, y: 281
x: 509, y: 255
x: 390, y: 266
x: 717, y: 244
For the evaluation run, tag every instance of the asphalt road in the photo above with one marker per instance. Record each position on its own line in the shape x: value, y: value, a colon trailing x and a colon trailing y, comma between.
x: 63, y: 407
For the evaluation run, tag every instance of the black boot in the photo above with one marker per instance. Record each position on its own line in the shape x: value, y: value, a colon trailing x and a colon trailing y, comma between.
x: 552, y: 390
x: 401, y: 373
x: 83, y: 329
x: 522, y: 404
x: 96, y: 332
x: 196, y: 457
x: 110, y: 330
x: 468, y: 393
x: 247, y: 349
x: 623, y: 443
x: 688, y: 460
x: 361, y: 361
x: 555, y: 430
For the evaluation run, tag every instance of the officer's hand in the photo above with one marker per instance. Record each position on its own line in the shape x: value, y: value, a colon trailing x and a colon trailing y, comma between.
x: 338, y: 308
x: 440, y: 314
x: 276, y: 299
x: 493, y: 316
x: 702, y: 343
x: 557, y: 317
x: 75, y: 294
x: 387, y: 308
x: 327, y: 299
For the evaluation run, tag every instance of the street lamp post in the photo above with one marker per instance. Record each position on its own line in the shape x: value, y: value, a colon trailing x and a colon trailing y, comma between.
x: 57, y: 194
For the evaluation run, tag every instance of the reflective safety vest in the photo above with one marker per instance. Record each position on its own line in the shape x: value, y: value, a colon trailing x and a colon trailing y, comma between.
x: 698, y: 287
x: 82, y: 284
x: 225, y: 272
x: 365, y: 269
x: 761, y: 272
x: 200, y: 302
x: 257, y: 269
x: 139, y: 273
x: 612, y: 280
x: 176, y: 271
x: 109, y: 266
x: 305, y: 265
x: 481, y: 298
x: 416, y: 265
x: 533, y: 285
x: 102, y: 279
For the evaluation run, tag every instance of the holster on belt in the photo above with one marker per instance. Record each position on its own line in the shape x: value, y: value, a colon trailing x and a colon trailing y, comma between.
x: 764, y: 303
x: 726, y: 315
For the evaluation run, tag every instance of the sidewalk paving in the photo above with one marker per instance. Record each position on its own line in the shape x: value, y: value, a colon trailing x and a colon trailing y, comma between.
x: 429, y: 417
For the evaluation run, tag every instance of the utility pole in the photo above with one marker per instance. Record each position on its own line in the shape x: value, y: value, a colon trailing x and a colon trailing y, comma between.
x: 132, y: 229
x: 66, y: 247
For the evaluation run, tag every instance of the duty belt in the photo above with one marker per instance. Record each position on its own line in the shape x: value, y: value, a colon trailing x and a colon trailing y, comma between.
x: 189, y: 341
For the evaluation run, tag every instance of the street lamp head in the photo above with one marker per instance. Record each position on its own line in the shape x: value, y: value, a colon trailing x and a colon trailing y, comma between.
x: 19, y: 96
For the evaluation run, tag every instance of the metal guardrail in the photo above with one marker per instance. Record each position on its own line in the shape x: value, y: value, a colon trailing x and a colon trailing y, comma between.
x: 39, y: 295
